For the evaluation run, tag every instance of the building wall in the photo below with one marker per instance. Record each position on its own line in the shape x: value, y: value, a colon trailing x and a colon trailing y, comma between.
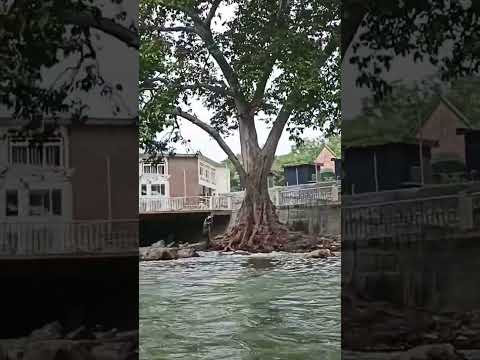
x: 324, y: 160
x: 150, y: 179
x: 442, y: 126
x: 223, y: 180
x: 177, y: 166
x: 89, y: 148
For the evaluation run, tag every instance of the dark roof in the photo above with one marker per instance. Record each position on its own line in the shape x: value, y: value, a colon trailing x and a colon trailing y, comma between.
x: 297, y: 165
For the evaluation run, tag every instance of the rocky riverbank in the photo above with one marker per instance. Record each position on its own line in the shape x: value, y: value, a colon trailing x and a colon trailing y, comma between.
x: 313, y: 247
x: 395, y: 328
x: 52, y: 342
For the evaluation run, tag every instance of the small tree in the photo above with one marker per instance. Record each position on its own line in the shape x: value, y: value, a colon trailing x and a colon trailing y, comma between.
x: 246, y: 61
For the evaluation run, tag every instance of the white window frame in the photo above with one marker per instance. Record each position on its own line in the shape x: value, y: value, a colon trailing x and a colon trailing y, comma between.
x: 50, y: 199
x: 25, y: 144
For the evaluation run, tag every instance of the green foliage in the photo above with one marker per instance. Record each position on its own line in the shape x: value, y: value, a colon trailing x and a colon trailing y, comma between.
x: 293, y: 45
x: 35, y: 36
x: 390, y: 30
x: 305, y: 153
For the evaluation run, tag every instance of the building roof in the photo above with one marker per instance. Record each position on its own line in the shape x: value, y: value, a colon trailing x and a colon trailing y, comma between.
x: 396, y: 127
x: 297, y: 165
x: 143, y: 156
x: 330, y: 150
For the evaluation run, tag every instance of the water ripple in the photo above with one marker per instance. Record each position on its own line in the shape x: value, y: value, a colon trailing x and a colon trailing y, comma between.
x: 262, y: 307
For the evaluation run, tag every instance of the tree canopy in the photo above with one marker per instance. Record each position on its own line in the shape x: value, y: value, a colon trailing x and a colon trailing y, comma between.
x: 440, y: 32
x: 260, y: 56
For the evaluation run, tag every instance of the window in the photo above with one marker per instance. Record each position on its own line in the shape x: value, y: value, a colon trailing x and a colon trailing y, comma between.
x: 144, y: 189
x: 158, y: 189
x: 45, y: 202
x: 11, y: 203
x: 48, y: 153
x: 155, y: 169
x: 147, y: 169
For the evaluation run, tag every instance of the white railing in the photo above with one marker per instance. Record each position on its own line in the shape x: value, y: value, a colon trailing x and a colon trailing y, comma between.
x: 281, y: 196
x: 154, y: 205
x: 20, y: 239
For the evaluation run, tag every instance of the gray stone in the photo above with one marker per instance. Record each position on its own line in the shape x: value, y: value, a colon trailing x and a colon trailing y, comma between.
x: 186, y: 253
x: 49, y: 331
x: 152, y: 254
x: 112, y: 351
x: 160, y: 243
x: 319, y: 254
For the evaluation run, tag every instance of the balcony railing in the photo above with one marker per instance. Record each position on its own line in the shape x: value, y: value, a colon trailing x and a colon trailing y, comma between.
x: 154, y: 205
x: 27, y: 239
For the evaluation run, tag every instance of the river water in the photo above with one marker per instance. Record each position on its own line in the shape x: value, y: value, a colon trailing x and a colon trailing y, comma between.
x: 259, y: 307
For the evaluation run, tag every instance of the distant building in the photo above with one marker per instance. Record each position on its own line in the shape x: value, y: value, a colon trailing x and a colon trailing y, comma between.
x: 385, y: 166
x: 327, y: 162
x: 299, y: 174
x: 182, y: 175
x: 55, y: 179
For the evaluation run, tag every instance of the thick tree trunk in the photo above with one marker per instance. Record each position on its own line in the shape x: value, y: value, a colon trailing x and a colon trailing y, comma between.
x: 256, y: 228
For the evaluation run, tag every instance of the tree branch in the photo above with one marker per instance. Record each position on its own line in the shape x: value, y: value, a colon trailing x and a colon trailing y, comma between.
x: 214, y: 134
x: 270, y: 63
x: 108, y: 26
x: 221, y: 90
x: 189, y: 29
x: 212, y: 12
x: 277, y: 129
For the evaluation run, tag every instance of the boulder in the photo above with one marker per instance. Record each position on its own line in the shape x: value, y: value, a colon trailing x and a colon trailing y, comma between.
x: 160, y: 243
x: 241, y: 252
x: 49, y: 331
x: 319, y: 254
x: 431, y: 352
x: 158, y: 253
x: 187, y: 253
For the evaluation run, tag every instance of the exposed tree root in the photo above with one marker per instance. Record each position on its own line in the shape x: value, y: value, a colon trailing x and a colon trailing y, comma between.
x: 255, y: 231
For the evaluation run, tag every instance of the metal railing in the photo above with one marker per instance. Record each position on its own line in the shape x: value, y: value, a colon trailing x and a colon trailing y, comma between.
x: 409, y: 216
x: 154, y: 205
x: 77, y: 238
x: 281, y: 196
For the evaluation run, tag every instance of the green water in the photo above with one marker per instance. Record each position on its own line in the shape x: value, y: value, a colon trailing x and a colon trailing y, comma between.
x: 276, y: 307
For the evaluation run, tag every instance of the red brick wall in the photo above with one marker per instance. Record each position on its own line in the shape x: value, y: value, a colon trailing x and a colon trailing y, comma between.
x: 324, y: 160
x: 442, y: 126
x: 89, y: 146
x: 176, y: 167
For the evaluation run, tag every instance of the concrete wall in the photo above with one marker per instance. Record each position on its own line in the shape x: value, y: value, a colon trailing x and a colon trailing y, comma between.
x: 89, y: 148
x: 176, y: 167
x: 320, y: 219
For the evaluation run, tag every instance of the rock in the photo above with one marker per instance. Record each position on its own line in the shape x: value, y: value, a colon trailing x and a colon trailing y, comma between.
x: 152, y: 254
x: 160, y: 243
x: 319, y: 254
x: 241, y: 252
x: 187, y: 253
x: 48, y: 332
x: 79, y: 333
x: 431, y: 352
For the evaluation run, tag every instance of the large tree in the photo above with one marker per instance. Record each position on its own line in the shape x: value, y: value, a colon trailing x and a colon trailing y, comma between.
x: 244, y: 61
